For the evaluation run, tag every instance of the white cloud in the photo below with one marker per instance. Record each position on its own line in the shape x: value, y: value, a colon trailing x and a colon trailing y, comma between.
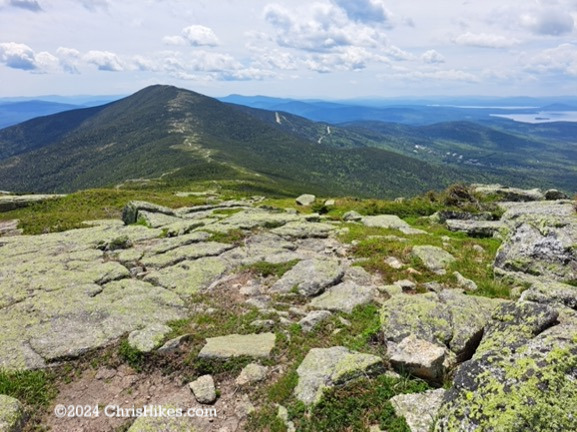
x: 436, y: 75
x: 559, y: 60
x: 174, y: 40
x: 349, y: 59
x: 484, y: 40
x: 198, y: 35
x: 397, y: 54
x: 31, y: 5
x: 365, y: 10
x: 69, y: 59
x: 104, y: 60
x: 432, y: 57
x: 320, y: 27
x: 94, y: 5
x: 18, y: 56
x: 548, y: 21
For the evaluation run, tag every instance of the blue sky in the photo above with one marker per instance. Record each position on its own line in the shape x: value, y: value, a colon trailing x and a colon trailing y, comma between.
x: 332, y: 49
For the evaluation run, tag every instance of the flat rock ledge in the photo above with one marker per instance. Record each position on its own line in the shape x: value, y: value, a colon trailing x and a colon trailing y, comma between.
x: 323, y: 368
x: 225, y: 347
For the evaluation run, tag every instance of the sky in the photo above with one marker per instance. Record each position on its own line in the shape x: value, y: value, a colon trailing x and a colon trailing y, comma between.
x: 329, y: 49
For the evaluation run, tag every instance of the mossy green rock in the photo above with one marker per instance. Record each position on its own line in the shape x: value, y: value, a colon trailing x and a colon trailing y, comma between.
x: 344, y: 297
x: 11, y: 414
x: 310, y: 277
x: 522, y: 377
x: 434, y: 258
x: 327, y: 367
x: 149, y: 337
x: 450, y: 318
x: 251, y: 345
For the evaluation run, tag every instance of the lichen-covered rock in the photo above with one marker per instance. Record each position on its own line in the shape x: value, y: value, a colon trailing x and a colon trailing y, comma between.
x: 251, y: 373
x: 476, y: 228
x: 327, y: 367
x: 304, y: 230
x: 434, y: 258
x: 188, y: 277
x: 352, y: 216
x: 13, y: 202
x: 523, y: 376
x: 541, y: 242
x: 449, y: 318
x: 463, y: 282
x: 419, y: 409
x: 305, y: 200
x: 509, y: 193
x: 312, y: 319
x: 168, y: 422
x: 420, y: 358
x: 148, y: 338
x: 189, y: 252
x: 11, y: 414
x: 344, y: 297
x: 131, y: 211
x: 392, y: 222
x: 203, y: 389
x: 310, y: 277
x: 251, y: 345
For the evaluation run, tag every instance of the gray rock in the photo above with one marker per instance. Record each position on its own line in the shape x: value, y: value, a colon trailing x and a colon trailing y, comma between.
x: 406, y: 285
x: 554, y: 194
x: 449, y: 319
x: 203, y: 389
x: 11, y: 414
x: 131, y: 211
x: 476, y: 228
x: 391, y: 222
x: 148, y: 338
x: 420, y: 358
x: 252, y: 345
x: 394, y: 263
x: 251, y: 373
x: 330, y: 203
x: 310, y: 277
x: 521, y: 377
x: 13, y: 202
x: 541, y: 242
x: 305, y: 200
x: 434, y: 258
x: 327, y: 367
x: 509, y: 193
x: 188, y: 252
x: 352, y: 216
x: 163, y: 423
x: 10, y: 228
x: 419, y: 409
x: 283, y: 414
x: 309, y: 322
x: 262, y: 324
x: 463, y: 282
x: 304, y: 230
x: 344, y: 297
x: 173, y: 345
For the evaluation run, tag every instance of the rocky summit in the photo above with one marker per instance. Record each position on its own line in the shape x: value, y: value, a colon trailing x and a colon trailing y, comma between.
x: 363, y: 316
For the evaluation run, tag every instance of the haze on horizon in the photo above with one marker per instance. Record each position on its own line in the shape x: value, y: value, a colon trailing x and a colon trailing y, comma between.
x: 332, y: 49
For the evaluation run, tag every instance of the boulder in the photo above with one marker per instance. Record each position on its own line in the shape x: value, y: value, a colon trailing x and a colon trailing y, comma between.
x: 305, y: 200
x: 173, y: 345
x: 508, y: 193
x: 251, y: 345
x: 352, y: 216
x: 521, y: 378
x: 148, y: 338
x: 203, y: 389
x: 419, y: 409
x: 391, y: 222
x: 541, y: 241
x: 554, y: 195
x: 310, y: 277
x: 312, y: 319
x: 251, y: 373
x: 420, y: 358
x: 130, y: 212
x: 475, y: 228
x: 463, y: 282
x: 344, y: 297
x: 11, y: 414
x: 433, y: 258
x: 323, y: 368
x: 448, y: 318
x: 304, y: 230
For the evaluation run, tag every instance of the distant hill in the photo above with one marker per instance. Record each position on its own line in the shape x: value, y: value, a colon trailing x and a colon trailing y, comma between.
x: 12, y: 113
x: 182, y: 136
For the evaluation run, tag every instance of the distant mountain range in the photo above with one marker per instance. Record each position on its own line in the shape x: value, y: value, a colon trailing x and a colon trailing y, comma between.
x: 179, y: 136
